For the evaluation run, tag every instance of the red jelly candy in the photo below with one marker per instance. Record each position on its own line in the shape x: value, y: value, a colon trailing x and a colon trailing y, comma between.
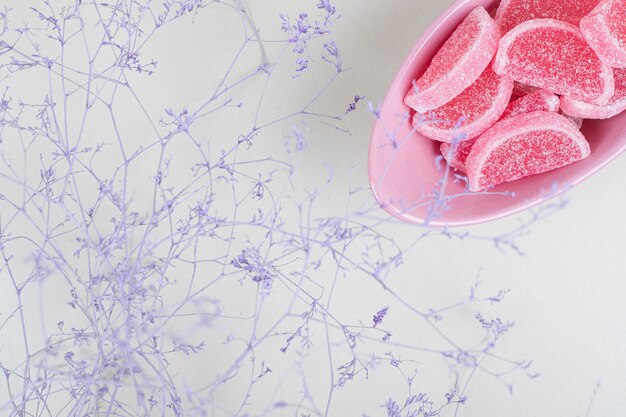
x: 470, y: 113
x: 521, y: 89
x: 513, y: 12
x: 456, y: 154
x: 605, y: 30
x: 459, y: 62
x: 523, y: 145
x: 554, y: 55
x: 542, y: 100
x: 577, y: 121
x: 616, y: 105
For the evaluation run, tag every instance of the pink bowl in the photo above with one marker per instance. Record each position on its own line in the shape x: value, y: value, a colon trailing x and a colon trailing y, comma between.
x: 409, y: 184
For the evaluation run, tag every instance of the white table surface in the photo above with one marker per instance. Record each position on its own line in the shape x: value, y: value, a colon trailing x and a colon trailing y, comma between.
x: 567, y: 291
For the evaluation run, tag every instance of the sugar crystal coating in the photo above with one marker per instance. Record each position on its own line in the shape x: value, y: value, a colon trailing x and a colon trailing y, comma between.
x: 456, y: 153
x: 458, y: 63
x: 521, y: 89
x: 470, y: 113
x: 576, y: 121
x: 615, y: 20
x: 615, y: 106
x: 605, y: 30
x: 541, y: 100
x: 553, y: 55
x: 513, y: 12
x: 526, y: 144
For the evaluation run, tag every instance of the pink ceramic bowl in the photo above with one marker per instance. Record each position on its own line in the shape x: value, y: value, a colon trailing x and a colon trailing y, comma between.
x: 404, y: 175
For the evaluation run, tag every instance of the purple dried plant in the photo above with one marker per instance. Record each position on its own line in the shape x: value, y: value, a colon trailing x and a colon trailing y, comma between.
x: 127, y: 264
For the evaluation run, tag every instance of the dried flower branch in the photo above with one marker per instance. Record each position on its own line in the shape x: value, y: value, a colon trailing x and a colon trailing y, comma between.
x: 131, y: 263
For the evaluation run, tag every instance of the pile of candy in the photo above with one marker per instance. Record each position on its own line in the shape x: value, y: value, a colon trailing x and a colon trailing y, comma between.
x: 507, y: 96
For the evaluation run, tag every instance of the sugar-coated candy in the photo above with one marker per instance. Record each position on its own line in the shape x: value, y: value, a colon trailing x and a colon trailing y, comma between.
x: 526, y: 144
x: 541, y: 100
x: 554, y: 55
x: 615, y: 106
x: 470, y: 113
x: 456, y: 154
x: 458, y: 64
x: 513, y: 12
x: 521, y: 89
x: 577, y: 121
x: 605, y: 30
